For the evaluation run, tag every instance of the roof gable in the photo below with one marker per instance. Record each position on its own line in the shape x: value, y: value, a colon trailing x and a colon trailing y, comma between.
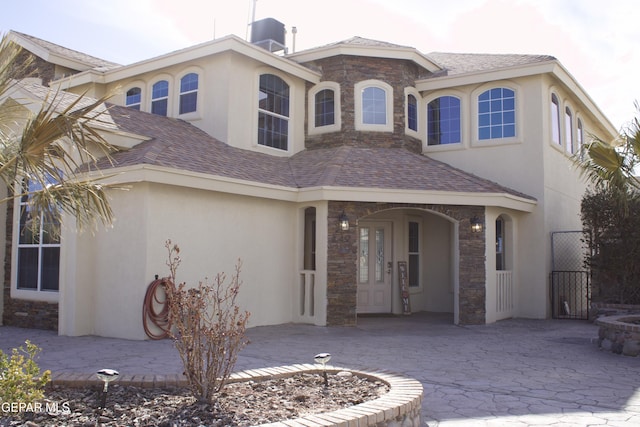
x: 59, y: 55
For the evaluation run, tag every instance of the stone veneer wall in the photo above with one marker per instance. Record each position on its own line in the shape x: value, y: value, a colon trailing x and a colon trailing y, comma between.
x: 343, y: 254
x: 349, y: 70
x: 23, y: 313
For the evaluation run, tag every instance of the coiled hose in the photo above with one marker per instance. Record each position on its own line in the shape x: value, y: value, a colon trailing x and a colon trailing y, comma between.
x: 155, y: 309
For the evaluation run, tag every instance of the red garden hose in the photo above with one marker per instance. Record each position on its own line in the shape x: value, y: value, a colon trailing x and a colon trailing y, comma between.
x: 156, y: 297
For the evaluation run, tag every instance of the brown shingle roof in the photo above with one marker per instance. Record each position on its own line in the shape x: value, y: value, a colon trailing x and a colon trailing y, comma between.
x: 89, y: 60
x: 461, y: 63
x: 178, y: 144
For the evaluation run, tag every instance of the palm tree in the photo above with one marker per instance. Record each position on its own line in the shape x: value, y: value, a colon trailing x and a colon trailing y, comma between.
x: 612, y: 166
x: 48, y: 144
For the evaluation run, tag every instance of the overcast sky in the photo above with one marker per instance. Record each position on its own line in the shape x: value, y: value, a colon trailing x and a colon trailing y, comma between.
x: 597, y: 41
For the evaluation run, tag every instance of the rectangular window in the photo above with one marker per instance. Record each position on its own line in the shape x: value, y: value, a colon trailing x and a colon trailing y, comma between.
x: 273, y: 112
x: 412, y: 113
x: 555, y: 119
x: 414, y: 254
x: 38, y: 249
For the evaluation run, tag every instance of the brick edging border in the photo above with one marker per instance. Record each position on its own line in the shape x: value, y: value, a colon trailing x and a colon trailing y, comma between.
x: 403, y: 399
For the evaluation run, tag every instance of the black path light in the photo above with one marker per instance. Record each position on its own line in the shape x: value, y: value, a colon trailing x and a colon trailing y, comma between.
x: 323, y: 359
x: 106, y: 375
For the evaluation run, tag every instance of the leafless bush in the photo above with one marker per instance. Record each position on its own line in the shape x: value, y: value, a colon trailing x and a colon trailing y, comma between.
x: 208, y: 327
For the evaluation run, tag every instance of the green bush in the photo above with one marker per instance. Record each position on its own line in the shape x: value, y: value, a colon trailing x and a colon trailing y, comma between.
x: 20, y: 377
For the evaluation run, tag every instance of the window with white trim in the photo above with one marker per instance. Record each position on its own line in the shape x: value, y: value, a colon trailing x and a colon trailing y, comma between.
x: 38, y: 248
x: 188, y: 93
x: 374, y: 106
x: 555, y: 120
x: 497, y: 114
x: 580, y: 137
x: 134, y: 98
x: 444, y: 121
x: 273, y: 112
x: 568, y: 129
x: 412, y: 112
x: 160, y: 98
x: 325, y: 108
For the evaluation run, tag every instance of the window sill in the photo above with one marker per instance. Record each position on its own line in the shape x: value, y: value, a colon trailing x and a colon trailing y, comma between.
x: 35, y: 295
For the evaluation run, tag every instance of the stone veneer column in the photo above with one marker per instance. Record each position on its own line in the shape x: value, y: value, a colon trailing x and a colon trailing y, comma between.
x: 342, y: 259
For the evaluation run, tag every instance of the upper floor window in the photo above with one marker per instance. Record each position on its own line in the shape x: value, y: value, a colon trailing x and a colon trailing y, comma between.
x: 188, y: 93
x: 580, y: 137
x: 443, y: 121
x: 134, y: 98
x: 555, y: 119
x: 273, y: 112
x: 38, y: 260
x: 568, y: 129
x: 497, y: 114
x: 412, y: 112
x: 374, y: 106
x: 325, y: 108
x: 160, y: 98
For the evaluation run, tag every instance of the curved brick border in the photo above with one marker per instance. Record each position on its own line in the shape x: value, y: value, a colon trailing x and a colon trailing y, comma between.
x: 619, y: 337
x: 399, y: 407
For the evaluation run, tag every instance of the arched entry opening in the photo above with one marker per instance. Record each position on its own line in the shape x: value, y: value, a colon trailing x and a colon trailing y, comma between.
x: 410, y: 247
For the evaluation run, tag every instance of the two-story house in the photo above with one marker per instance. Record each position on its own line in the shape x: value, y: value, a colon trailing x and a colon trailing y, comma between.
x: 337, y: 175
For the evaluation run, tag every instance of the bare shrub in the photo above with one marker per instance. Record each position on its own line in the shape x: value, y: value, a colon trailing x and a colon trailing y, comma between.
x: 208, y: 327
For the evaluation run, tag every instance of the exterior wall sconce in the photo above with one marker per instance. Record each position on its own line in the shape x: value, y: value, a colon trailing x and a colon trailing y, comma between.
x: 476, y: 225
x: 344, y: 222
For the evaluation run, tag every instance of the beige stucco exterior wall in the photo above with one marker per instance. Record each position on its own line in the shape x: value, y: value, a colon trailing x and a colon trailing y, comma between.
x: 532, y: 165
x: 206, y: 226
x: 226, y: 106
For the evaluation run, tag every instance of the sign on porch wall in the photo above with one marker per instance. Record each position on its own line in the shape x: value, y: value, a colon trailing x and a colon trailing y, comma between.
x: 404, y: 287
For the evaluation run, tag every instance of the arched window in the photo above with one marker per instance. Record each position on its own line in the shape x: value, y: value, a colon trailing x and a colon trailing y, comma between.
x: 497, y: 114
x: 188, y: 93
x: 443, y: 121
x: 273, y: 112
x: 568, y: 129
x: 134, y: 98
x: 325, y: 108
x: 160, y: 98
x: 580, y: 137
x: 374, y: 106
x: 412, y: 112
x: 555, y: 119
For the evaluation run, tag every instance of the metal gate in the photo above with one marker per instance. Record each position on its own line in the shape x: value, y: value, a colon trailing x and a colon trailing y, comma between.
x: 570, y: 281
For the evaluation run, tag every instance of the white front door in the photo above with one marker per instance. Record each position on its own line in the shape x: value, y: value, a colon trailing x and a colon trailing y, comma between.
x: 374, y: 267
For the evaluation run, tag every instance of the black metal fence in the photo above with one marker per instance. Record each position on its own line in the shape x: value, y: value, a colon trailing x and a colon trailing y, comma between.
x: 570, y: 281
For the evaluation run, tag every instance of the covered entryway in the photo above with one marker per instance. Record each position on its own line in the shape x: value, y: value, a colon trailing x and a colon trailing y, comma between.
x: 424, y: 243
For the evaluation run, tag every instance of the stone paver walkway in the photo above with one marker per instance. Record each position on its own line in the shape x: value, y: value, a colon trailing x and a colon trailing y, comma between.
x: 512, y: 373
